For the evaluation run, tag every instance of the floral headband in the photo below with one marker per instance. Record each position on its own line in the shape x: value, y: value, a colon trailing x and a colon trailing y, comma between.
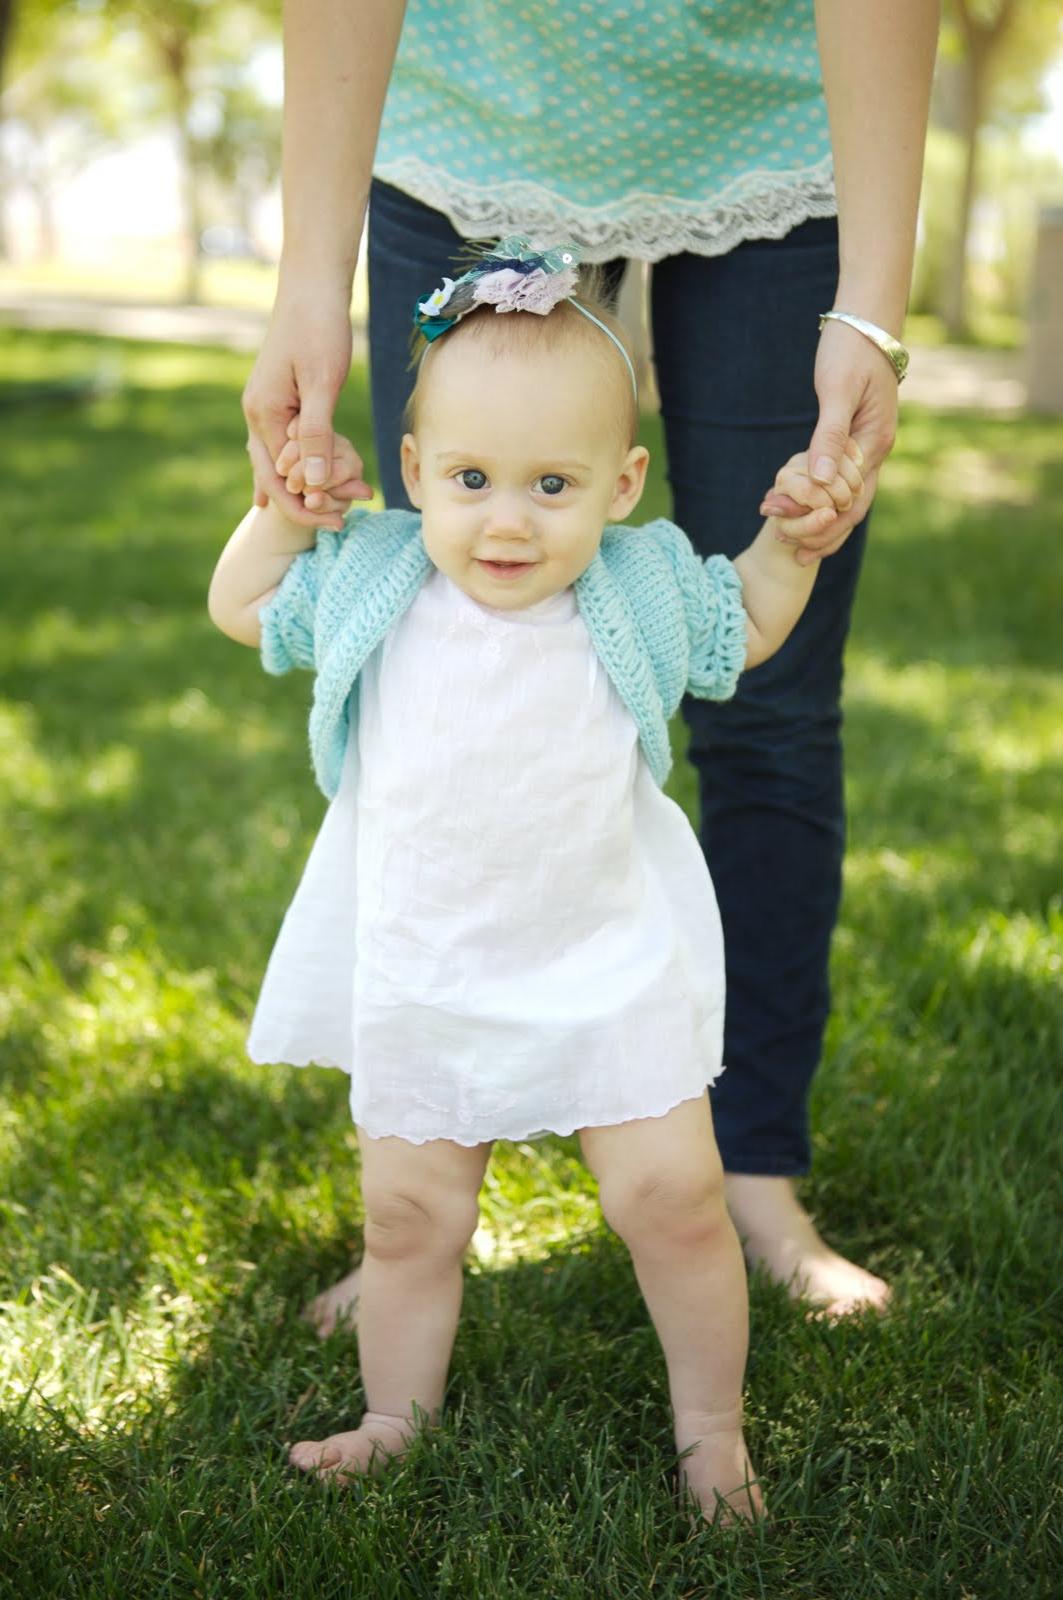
x: 510, y: 276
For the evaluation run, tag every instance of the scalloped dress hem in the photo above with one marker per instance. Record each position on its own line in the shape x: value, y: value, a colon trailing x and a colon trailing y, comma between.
x: 560, y: 1129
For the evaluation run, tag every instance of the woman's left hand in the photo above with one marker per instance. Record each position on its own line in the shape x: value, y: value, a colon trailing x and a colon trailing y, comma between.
x: 857, y: 392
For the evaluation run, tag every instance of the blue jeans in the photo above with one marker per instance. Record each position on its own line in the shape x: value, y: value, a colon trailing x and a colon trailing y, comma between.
x: 734, y: 343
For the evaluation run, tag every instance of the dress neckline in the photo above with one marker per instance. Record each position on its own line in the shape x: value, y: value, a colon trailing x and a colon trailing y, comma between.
x: 557, y: 607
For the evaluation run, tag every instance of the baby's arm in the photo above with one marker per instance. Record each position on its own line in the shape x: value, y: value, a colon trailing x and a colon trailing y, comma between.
x: 261, y: 550
x: 250, y: 569
x: 775, y: 585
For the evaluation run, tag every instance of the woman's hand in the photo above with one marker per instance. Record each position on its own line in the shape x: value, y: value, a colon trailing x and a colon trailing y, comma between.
x: 302, y: 366
x: 331, y: 502
x: 857, y: 390
x: 816, y: 506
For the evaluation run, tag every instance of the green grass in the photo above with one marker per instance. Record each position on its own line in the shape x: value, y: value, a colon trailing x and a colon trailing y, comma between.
x: 168, y: 1206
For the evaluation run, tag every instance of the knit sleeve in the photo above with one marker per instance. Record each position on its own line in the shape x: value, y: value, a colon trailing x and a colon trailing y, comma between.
x: 716, y: 618
x: 287, y: 620
x: 715, y: 615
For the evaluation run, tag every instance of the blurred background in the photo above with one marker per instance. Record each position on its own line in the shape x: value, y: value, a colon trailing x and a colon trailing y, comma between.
x: 139, y: 153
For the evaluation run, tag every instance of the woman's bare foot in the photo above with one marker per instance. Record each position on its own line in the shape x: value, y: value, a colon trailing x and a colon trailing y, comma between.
x: 366, y: 1449
x: 717, y: 1470
x: 778, y: 1234
x: 336, y: 1307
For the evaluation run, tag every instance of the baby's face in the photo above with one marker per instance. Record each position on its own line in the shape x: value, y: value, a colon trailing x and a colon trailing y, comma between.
x: 516, y: 466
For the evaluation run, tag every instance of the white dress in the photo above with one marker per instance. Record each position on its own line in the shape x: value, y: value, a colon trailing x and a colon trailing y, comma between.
x: 504, y: 927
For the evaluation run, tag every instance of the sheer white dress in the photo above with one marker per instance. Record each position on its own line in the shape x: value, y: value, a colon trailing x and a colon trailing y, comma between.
x: 504, y: 927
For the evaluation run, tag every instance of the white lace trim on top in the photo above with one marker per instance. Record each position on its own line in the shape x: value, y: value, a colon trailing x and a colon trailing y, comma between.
x: 761, y: 204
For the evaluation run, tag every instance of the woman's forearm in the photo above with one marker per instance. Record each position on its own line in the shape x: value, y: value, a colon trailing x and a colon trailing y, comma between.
x: 877, y: 58
x: 338, y: 56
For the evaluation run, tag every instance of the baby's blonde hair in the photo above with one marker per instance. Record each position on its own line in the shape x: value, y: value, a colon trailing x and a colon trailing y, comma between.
x: 516, y: 333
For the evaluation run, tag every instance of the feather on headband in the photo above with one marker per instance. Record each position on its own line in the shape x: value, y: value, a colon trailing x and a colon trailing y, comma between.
x: 510, y: 276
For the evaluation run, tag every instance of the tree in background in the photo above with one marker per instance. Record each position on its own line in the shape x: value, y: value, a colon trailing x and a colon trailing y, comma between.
x: 184, y: 59
x: 994, y: 55
x: 191, y: 41
x: 64, y: 106
x: 238, y: 144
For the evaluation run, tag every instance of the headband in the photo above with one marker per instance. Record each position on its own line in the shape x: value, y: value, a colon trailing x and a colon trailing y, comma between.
x: 510, y: 276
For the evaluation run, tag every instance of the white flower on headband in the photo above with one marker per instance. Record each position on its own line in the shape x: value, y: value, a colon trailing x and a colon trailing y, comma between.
x: 438, y: 298
x: 537, y: 291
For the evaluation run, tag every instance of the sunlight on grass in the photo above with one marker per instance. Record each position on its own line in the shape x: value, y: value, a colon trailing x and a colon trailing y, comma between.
x: 57, y: 634
x: 979, y: 477
x: 26, y: 774
x: 60, y: 1358
x: 532, y: 1202
x: 1010, y: 723
x: 112, y: 772
x: 1017, y: 944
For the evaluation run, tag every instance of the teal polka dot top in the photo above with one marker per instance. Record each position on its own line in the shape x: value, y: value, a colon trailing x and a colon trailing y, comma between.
x: 635, y: 128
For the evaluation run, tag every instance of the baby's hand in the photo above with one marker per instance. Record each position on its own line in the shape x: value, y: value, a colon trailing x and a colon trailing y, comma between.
x: 801, y: 510
x: 332, y: 500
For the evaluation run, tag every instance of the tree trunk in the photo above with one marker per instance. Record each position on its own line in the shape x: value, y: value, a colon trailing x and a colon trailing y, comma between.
x: 954, y: 308
x: 176, y: 55
x: 47, y: 235
x: 7, y: 18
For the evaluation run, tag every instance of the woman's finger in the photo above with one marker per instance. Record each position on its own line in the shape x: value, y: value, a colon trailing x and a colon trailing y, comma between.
x: 850, y: 471
x: 287, y: 458
x: 267, y: 483
x: 840, y: 491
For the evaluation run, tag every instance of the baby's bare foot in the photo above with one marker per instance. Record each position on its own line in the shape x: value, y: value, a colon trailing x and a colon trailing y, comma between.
x: 367, y: 1449
x: 716, y: 1469
x: 778, y: 1234
x: 336, y: 1307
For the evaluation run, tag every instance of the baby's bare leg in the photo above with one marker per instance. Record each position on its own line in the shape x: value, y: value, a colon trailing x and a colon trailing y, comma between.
x: 421, y: 1211
x: 661, y: 1187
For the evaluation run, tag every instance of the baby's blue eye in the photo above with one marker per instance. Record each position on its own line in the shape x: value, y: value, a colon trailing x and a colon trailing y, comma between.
x: 550, y: 483
x: 473, y: 478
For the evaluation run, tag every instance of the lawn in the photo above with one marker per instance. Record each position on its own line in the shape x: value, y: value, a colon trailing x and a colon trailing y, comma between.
x: 168, y: 1207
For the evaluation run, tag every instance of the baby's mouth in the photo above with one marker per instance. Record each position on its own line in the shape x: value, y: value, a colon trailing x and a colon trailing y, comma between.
x: 505, y: 569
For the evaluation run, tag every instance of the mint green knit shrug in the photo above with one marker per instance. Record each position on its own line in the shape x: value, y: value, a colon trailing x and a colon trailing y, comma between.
x: 663, y: 621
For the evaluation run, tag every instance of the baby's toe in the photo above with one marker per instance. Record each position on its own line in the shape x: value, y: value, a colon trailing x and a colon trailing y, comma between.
x: 310, y: 1454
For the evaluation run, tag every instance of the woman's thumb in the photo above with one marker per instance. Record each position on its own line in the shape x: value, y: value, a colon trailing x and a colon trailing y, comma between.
x: 828, y: 444
x: 315, y: 439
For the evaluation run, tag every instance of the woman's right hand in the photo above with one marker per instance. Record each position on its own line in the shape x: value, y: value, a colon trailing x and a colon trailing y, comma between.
x: 333, y: 500
x: 301, y: 368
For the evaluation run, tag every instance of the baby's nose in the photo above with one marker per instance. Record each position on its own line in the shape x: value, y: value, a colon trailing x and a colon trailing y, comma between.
x: 507, y: 518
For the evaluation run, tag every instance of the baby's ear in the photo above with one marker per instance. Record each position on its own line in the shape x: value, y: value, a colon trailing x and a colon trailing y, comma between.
x: 630, y: 483
x: 410, y: 462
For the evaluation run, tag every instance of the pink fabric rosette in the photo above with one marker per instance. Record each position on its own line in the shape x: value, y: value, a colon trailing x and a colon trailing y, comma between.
x: 536, y: 291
